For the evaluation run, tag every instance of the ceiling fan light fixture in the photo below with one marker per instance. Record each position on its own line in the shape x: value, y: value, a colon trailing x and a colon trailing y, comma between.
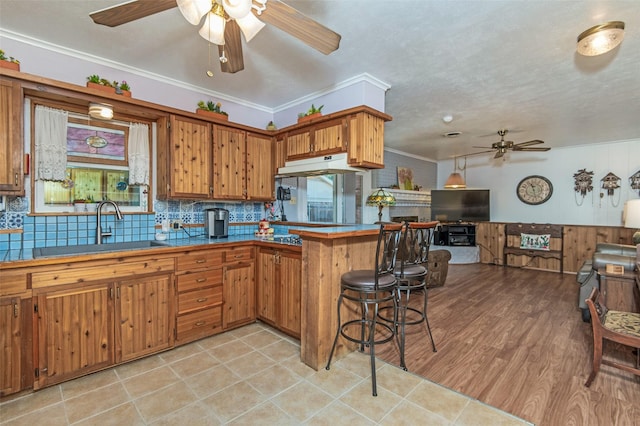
x: 237, y: 8
x: 213, y: 28
x: 194, y: 10
x: 601, y: 38
x: 250, y: 26
x: 101, y: 111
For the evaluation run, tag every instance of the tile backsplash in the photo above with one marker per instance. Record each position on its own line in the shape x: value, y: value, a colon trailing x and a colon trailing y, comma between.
x: 64, y: 230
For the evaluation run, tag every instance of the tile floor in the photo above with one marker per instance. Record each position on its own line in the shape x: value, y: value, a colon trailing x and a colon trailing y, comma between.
x: 248, y: 376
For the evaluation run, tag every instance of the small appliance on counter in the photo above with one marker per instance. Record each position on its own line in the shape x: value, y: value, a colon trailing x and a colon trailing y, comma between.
x: 216, y: 223
x: 264, y: 230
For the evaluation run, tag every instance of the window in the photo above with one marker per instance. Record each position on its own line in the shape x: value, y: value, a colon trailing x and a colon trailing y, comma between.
x: 321, y: 198
x: 97, y: 169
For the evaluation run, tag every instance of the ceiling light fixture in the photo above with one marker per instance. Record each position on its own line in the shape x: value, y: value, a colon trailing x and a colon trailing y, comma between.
x: 213, y: 28
x: 455, y: 179
x: 101, y: 111
x: 447, y: 118
x: 601, y: 38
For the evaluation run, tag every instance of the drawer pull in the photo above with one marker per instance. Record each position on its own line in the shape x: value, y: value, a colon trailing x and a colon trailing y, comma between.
x: 202, y: 299
x: 201, y: 280
x: 239, y: 256
x: 201, y: 260
x: 200, y: 323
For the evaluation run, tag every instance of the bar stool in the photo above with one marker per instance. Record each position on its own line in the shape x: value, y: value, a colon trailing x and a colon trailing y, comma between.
x: 369, y: 289
x: 411, y: 274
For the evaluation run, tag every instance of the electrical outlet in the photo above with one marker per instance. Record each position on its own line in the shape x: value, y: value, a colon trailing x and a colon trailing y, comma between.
x: 176, y: 225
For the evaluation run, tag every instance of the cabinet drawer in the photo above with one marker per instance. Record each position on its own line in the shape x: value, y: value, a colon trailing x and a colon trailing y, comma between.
x: 200, y: 279
x: 199, y: 323
x: 12, y: 282
x: 197, y: 299
x: 199, y: 259
x: 238, y: 254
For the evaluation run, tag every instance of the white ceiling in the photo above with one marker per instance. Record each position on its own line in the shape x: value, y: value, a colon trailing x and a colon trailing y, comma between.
x: 490, y: 64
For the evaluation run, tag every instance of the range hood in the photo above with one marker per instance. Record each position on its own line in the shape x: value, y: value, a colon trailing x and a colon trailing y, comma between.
x: 329, y: 164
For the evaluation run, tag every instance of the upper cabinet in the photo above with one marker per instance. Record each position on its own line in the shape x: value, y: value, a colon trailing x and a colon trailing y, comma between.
x: 229, y: 163
x: 357, y: 131
x: 184, y: 158
x: 11, y: 146
x: 261, y: 167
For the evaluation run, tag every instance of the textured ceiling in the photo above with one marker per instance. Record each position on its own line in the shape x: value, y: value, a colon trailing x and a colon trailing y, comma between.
x: 490, y: 64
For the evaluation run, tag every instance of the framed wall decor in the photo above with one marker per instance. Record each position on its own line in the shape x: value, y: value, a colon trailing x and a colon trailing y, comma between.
x: 405, y: 178
x: 89, y: 141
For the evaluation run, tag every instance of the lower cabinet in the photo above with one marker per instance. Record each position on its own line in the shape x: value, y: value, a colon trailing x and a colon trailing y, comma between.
x: 79, y: 329
x: 239, y: 294
x: 279, y: 289
x: 12, y: 344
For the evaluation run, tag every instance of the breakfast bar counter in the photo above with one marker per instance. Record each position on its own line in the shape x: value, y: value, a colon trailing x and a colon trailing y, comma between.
x: 327, y: 253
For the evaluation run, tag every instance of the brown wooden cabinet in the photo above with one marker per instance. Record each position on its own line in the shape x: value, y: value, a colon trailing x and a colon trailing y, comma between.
x: 11, y: 146
x: 73, y: 332
x: 260, y: 168
x: 239, y: 287
x: 229, y: 163
x: 279, y: 289
x: 184, y: 158
x: 11, y: 331
x: 328, y: 137
x: 199, y: 298
x: 144, y: 316
x: 365, y: 140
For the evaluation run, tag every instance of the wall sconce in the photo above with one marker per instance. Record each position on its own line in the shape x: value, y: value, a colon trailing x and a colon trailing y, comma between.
x: 381, y: 198
x: 601, y: 38
x: 101, y: 111
x: 455, y: 179
x: 631, y: 218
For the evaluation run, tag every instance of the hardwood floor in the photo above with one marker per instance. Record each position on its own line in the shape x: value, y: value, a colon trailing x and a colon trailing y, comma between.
x: 514, y: 339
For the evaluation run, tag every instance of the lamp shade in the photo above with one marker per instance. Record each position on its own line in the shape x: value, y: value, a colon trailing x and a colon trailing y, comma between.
x: 250, y: 26
x: 455, y: 181
x: 380, y: 197
x: 631, y: 218
x: 237, y: 8
x: 194, y: 10
x: 601, y: 38
x: 213, y: 28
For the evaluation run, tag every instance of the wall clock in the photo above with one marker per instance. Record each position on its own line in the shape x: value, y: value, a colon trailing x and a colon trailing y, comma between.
x: 534, y: 189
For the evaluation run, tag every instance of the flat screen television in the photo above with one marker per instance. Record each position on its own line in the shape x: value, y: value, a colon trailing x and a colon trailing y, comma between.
x: 460, y: 205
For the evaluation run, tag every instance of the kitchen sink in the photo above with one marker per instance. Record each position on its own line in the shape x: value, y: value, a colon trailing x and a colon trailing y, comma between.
x: 95, y: 248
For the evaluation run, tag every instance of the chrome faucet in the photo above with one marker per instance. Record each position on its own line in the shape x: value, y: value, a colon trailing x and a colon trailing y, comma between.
x: 99, y: 233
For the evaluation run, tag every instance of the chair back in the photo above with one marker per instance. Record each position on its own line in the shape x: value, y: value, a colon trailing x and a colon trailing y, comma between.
x: 419, y: 236
x: 387, y: 248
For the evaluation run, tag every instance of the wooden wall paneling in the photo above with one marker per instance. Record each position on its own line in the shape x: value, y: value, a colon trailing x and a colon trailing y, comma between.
x: 490, y: 239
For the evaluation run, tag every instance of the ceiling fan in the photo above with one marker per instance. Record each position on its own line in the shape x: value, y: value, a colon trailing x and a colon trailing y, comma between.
x: 224, y: 20
x: 501, y: 148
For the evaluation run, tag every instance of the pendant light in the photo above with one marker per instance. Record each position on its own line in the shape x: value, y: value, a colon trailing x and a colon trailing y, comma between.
x: 455, y: 179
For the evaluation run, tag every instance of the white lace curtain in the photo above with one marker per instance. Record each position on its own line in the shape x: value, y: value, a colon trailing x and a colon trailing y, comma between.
x: 51, y: 143
x: 138, y: 154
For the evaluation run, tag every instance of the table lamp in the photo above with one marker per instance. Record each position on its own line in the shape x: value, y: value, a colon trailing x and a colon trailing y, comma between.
x: 381, y: 198
x: 631, y: 218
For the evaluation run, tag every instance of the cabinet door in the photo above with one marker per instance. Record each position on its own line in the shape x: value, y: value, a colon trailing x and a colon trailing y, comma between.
x: 329, y: 137
x: 239, y: 295
x: 229, y: 159
x: 298, y: 144
x: 143, y: 316
x: 290, y: 288
x: 10, y: 345
x: 266, y: 285
x: 260, y: 168
x: 74, y: 332
x: 11, y: 147
x: 188, y: 163
x: 366, y: 140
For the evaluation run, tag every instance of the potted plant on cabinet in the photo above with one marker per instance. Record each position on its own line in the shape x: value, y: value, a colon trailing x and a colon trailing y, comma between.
x: 123, y: 88
x: 212, y: 109
x: 311, y: 113
x: 95, y: 82
x: 9, y: 62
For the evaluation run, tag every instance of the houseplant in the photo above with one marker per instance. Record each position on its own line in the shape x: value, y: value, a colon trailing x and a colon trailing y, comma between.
x: 95, y: 82
x: 123, y: 88
x: 9, y: 62
x: 311, y: 113
x: 211, y: 109
x: 271, y: 126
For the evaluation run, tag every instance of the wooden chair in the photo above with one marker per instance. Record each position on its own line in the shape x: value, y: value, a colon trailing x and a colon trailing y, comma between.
x: 615, y: 326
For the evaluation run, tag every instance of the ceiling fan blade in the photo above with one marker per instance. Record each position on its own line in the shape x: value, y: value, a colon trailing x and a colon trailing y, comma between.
x: 482, y: 147
x: 476, y: 153
x: 130, y: 11
x: 517, y: 148
x: 533, y: 142
x: 300, y: 26
x: 232, y: 49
